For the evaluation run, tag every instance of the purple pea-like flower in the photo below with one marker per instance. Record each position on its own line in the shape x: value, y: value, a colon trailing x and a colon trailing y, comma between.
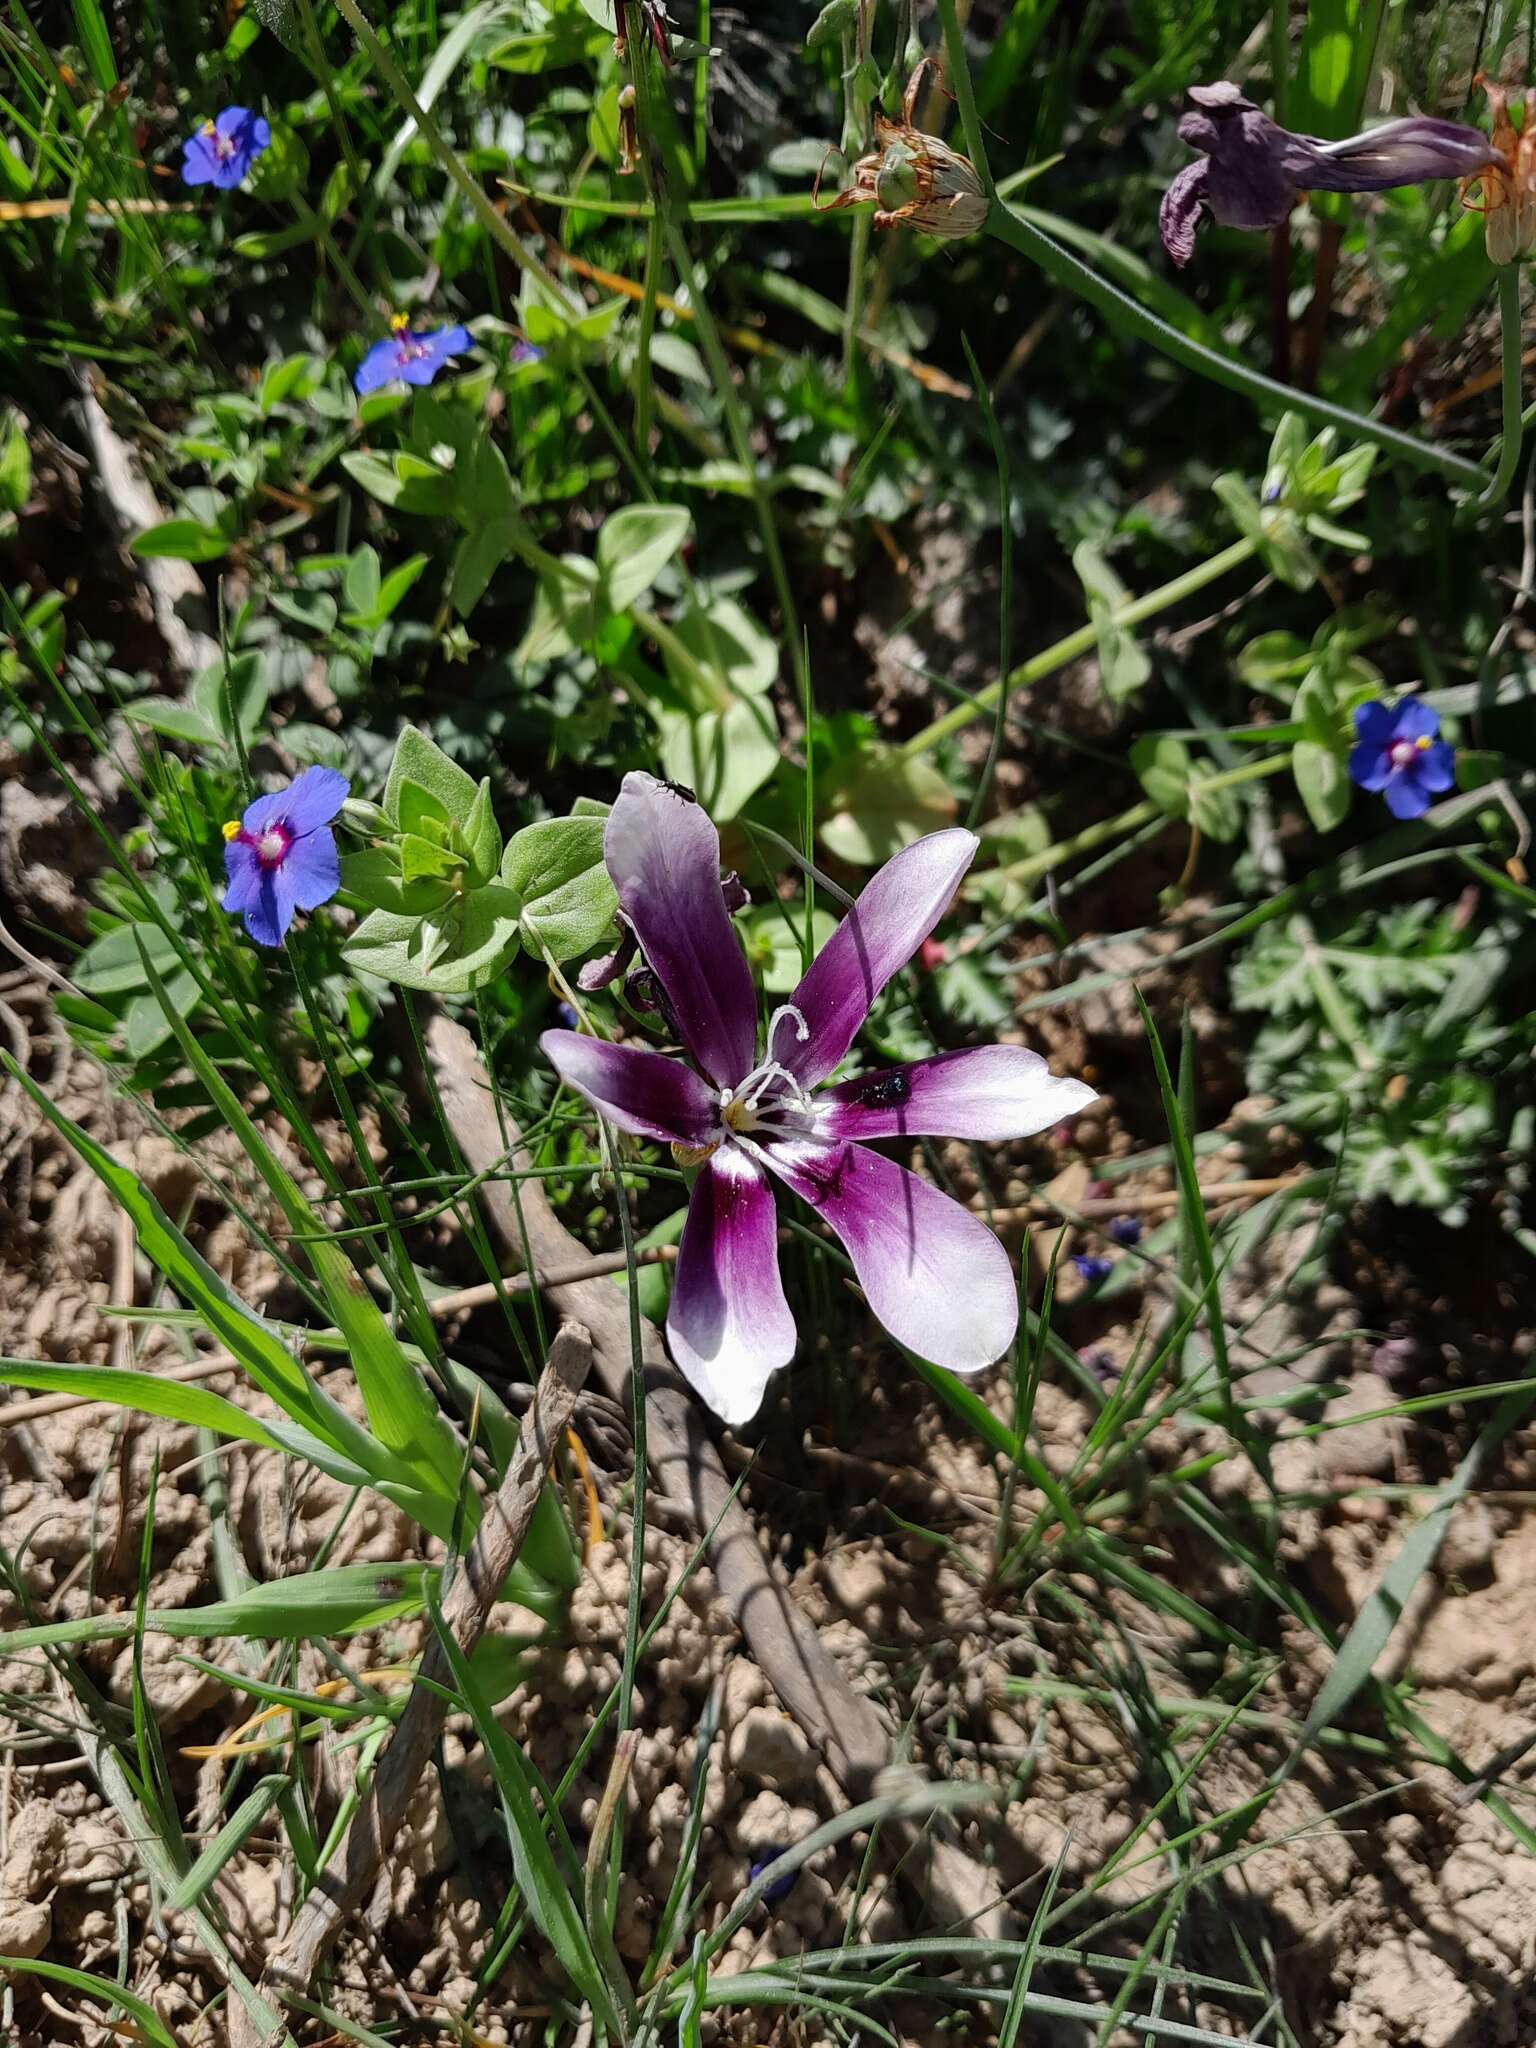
x: 1399, y: 751
x: 222, y: 151
x: 1252, y: 171
x: 281, y: 856
x: 1125, y: 1229
x: 1092, y: 1268
x: 932, y: 1272
x: 407, y: 358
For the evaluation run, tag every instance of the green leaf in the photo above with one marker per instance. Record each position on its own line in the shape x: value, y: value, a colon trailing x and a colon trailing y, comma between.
x: 15, y: 464
x: 725, y: 757
x: 482, y: 836
x: 555, y: 869
x: 1162, y: 766
x: 479, y: 555
x: 633, y: 548
x: 222, y: 1313
x: 183, y: 540
x: 726, y: 641
x: 403, y: 485
x: 420, y: 760
x: 145, y: 1393
x: 337, y: 1601
x: 555, y: 1912
x: 462, y: 950
x: 565, y: 613
x: 113, y: 964
x: 105, y: 1991
x: 1123, y: 664
x: 402, y: 1411
x: 881, y: 803
x: 772, y: 936
x: 1322, y: 782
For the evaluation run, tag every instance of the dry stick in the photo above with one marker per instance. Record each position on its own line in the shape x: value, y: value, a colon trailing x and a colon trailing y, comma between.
x: 846, y: 1728
x: 471, y: 1594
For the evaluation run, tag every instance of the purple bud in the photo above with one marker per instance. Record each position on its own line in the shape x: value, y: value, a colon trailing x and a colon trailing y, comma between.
x: 1125, y: 1229
x: 567, y: 1017
x: 1092, y: 1269
x: 599, y: 973
x: 781, y: 1887
x: 1101, y: 1364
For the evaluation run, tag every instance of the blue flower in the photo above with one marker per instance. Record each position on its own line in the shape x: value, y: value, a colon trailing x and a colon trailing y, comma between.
x: 1400, y: 752
x: 281, y: 856
x: 1092, y: 1269
x: 1125, y: 1229
x: 407, y: 358
x: 782, y: 1886
x: 222, y: 151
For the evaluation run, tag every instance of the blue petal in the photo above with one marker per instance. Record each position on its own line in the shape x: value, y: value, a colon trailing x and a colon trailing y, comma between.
x: 232, y: 121
x: 1406, y: 798
x: 313, y: 869
x: 198, y: 164
x: 1437, y: 767
x: 1413, y: 719
x: 243, y: 871
x: 269, y: 914
x: 1369, y: 767
x: 313, y: 798
x: 1374, y: 724
x: 379, y: 367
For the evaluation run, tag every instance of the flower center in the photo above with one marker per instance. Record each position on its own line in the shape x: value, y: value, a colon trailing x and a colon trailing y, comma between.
x: 770, y: 1099
x: 224, y: 146
x: 1403, y: 753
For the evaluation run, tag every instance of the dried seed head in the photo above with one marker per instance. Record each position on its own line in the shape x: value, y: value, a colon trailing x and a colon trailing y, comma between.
x: 916, y: 180
x: 1507, y: 189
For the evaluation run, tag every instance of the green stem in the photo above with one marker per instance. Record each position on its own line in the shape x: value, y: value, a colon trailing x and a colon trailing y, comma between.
x: 1082, y: 641
x: 1072, y: 275
x: 1509, y: 330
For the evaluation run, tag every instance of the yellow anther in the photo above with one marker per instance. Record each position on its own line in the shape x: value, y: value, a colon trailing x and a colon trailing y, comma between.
x: 399, y: 322
x: 1423, y: 742
x: 231, y: 828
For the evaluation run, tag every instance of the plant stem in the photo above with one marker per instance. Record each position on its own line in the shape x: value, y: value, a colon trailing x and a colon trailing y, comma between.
x: 1005, y: 581
x: 1509, y: 330
x: 1082, y: 641
x: 1072, y: 275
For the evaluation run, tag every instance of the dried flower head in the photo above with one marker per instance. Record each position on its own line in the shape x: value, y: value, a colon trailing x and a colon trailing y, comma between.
x: 915, y: 180
x: 1507, y: 188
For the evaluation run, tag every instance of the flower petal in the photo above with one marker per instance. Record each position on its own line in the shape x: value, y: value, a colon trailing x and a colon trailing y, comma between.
x: 1437, y: 767
x: 729, y: 1327
x: 1375, y: 724
x: 893, y: 916
x: 664, y: 857
x: 1406, y: 795
x: 243, y: 872
x: 934, y: 1274
x: 269, y: 910
x: 1409, y: 151
x: 310, y: 800
x: 314, y: 798
x: 1184, y: 207
x: 991, y: 1092
x: 313, y: 867
x: 1413, y: 719
x: 641, y: 1091
x: 379, y: 367
x: 199, y: 165
x: 1369, y: 766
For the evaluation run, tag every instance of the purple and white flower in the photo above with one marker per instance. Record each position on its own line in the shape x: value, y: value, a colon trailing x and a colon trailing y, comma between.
x: 407, y: 358
x: 741, y: 1111
x: 222, y: 151
x: 1399, y: 751
x: 1251, y: 171
x: 281, y: 856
